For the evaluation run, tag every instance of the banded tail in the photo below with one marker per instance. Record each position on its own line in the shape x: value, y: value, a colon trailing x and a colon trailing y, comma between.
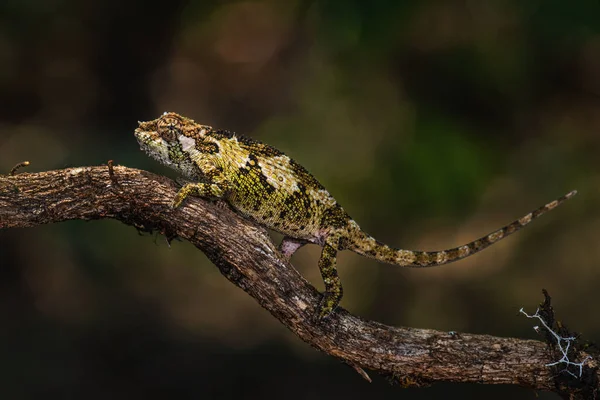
x: 367, y: 246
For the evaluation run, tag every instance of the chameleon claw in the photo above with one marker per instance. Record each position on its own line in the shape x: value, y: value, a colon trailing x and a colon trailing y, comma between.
x: 326, y: 307
x: 179, y: 197
x: 176, y: 202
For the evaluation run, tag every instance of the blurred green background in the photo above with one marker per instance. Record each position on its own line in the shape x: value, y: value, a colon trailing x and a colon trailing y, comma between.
x: 432, y: 122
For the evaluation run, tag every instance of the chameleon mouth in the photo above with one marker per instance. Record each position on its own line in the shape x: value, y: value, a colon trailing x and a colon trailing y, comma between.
x: 153, y: 145
x: 146, y: 131
x: 150, y: 142
x: 147, y: 136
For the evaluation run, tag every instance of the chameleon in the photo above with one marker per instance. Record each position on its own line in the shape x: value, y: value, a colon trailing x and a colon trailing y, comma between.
x: 264, y: 185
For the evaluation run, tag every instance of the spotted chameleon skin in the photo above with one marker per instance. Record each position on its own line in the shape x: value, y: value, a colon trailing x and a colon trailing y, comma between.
x: 266, y: 186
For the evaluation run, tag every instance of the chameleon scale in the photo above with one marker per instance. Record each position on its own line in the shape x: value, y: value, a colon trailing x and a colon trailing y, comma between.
x: 268, y: 187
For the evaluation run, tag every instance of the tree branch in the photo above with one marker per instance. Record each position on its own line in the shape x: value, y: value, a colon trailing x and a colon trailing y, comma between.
x: 245, y: 255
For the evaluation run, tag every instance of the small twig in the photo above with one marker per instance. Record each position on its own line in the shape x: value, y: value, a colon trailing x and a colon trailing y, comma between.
x: 17, y: 167
x: 559, y: 341
x: 361, y: 372
x: 111, y: 172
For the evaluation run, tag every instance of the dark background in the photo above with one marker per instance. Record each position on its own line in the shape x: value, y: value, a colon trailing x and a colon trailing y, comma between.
x: 432, y: 122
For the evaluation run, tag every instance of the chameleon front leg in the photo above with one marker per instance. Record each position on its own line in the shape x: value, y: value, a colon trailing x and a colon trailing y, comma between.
x: 333, y: 285
x: 199, y: 190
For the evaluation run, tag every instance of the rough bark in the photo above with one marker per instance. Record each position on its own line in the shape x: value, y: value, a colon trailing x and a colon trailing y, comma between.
x: 245, y: 255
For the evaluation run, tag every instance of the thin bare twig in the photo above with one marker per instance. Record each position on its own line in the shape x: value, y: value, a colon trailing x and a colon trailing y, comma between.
x: 17, y: 167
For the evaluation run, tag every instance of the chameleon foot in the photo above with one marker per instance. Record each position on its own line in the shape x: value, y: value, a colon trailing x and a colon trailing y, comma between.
x: 197, y: 189
x: 179, y: 197
x: 326, y: 307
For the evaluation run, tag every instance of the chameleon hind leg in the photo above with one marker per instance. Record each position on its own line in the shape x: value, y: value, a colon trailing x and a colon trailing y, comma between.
x: 333, y: 285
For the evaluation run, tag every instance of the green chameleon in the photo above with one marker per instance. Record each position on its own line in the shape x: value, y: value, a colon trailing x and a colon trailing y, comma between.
x: 268, y: 187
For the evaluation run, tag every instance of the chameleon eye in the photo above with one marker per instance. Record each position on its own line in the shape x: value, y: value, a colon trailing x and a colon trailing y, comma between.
x: 169, y: 128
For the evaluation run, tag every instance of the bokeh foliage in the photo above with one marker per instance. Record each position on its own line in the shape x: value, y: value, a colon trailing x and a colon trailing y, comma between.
x: 432, y: 122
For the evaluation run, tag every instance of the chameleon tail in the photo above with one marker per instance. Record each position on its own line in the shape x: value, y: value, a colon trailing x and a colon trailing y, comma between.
x: 367, y: 246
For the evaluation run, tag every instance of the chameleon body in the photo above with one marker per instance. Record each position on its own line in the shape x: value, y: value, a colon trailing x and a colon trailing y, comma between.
x: 268, y: 187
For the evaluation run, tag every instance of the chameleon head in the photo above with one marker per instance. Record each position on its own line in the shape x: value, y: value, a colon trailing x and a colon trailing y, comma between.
x: 170, y: 139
